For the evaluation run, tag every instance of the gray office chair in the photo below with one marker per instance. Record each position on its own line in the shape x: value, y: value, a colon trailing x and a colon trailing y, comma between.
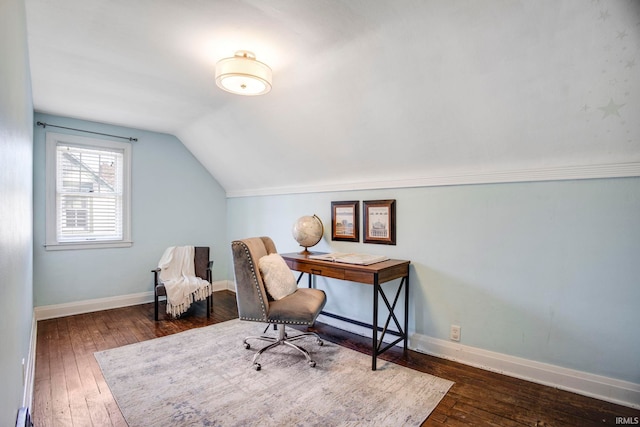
x: 256, y: 305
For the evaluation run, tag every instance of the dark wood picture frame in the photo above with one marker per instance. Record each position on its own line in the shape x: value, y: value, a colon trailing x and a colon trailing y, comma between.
x: 345, y: 221
x: 379, y: 221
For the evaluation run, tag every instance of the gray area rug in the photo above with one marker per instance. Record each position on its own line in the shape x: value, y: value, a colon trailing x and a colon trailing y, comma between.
x: 204, y: 377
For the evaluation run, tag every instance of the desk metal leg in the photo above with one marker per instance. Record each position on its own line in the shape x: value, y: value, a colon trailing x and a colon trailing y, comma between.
x: 402, y: 332
x: 374, y: 345
x: 406, y: 313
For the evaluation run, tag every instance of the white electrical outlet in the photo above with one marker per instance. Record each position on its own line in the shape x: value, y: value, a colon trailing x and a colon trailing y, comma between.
x: 454, y: 333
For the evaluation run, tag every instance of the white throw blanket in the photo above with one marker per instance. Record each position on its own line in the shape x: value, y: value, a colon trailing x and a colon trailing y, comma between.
x: 177, y: 273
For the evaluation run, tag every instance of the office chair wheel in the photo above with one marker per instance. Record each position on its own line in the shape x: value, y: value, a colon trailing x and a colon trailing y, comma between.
x: 320, y: 343
x: 257, y: 366
x: 247, y: 345
x: 312, y: 363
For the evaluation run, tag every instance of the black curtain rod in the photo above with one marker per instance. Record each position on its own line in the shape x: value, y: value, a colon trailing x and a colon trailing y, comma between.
x: 44, y: 125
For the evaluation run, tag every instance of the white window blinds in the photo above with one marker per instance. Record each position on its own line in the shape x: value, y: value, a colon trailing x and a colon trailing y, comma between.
x: 88, y: 193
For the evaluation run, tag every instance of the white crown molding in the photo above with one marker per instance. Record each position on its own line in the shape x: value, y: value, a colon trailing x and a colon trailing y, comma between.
x: 600, y: 387
x: 617, y: 170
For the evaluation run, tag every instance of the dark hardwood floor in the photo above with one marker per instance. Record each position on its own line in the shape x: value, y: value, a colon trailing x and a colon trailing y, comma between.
x: 70, y: 389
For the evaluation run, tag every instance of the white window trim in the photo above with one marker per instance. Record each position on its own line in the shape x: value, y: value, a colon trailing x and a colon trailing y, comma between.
x: 51, y: 242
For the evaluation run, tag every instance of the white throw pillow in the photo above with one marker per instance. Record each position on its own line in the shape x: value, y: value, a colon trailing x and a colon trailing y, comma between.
x: 277, y: 277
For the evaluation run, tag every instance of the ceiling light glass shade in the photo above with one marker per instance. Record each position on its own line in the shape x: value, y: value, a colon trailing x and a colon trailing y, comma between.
x: 243, y: 74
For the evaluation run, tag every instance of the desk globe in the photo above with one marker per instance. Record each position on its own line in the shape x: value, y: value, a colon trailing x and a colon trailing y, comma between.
x: 308, y: 231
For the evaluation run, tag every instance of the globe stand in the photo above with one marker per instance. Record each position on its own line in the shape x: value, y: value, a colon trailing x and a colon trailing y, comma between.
x: 308, y: 231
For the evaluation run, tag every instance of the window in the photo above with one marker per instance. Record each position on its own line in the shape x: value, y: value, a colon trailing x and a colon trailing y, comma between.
x: 88, y: 193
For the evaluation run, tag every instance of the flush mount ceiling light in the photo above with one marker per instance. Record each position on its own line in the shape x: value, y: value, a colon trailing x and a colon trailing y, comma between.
x: 243, y: 74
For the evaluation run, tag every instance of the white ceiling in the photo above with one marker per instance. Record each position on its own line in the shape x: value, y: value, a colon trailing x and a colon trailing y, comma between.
x: 364, y: 91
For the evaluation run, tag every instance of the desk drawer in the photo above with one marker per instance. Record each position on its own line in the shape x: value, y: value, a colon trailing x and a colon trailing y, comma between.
x: 336, y: 273
x: 319, y: 270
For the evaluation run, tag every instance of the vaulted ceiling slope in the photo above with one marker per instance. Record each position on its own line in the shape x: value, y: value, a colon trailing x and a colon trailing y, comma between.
x: 365, y: 92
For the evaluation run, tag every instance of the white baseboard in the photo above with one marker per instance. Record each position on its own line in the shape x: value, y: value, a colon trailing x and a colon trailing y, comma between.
x: 226, y: 285
x: 604, y: 388
x: 355, y: 329
x: 30, y: 367
x: 88, y: 306
x: 597, y: 386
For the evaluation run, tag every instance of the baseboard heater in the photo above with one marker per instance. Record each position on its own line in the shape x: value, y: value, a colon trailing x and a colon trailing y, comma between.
x: 24, y: 419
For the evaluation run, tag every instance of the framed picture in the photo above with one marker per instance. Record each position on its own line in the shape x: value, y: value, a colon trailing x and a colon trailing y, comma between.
x: 380, y: 221
x: 345, y: 225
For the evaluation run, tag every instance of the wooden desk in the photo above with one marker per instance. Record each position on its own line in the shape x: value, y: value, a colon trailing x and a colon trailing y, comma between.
x: 374, y: 274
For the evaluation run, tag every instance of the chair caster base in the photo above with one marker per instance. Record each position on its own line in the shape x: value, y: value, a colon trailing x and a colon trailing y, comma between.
x: 282, y: 339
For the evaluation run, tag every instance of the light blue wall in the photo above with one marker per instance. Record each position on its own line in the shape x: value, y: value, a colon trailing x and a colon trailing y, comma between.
x: 547, y: 271
x: 175, y: 201
x: 16, y: 292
